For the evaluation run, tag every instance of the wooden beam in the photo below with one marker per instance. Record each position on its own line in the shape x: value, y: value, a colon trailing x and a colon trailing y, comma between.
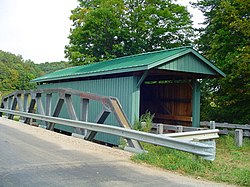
x: 173, y: 117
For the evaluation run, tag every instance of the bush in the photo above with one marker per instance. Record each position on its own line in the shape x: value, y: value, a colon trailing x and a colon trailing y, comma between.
x: 145, y: 122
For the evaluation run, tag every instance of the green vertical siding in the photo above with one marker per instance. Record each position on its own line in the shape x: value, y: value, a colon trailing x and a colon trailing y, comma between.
x: 188, y: 63
x: 124, y: 88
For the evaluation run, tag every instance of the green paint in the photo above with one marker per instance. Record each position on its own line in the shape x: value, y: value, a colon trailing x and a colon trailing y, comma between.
x: 196, y: 104
x: 188, y: 63
x: 127, y: 88
x: 124, y: 88
x: 169, y: 59
x: 135, y: 101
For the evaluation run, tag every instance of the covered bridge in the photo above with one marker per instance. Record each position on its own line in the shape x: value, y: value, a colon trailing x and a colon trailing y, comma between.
x: 164, y: 82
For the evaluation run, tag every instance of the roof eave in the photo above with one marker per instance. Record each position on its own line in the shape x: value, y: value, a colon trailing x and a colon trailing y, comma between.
x: 189, y: 50
x: 116, y: 71
x: 220, y: 73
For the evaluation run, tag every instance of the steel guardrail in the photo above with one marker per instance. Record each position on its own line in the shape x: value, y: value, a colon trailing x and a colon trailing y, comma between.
x: 207, y: 151
x: 194, y: 135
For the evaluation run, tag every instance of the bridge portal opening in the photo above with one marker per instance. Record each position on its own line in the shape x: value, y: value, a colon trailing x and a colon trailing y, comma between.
x: 169, y: 101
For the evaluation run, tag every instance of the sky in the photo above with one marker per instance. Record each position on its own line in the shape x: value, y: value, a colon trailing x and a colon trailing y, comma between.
x: 38, y: 29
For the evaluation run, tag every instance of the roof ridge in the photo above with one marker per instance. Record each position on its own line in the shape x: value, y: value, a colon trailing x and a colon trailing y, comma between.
x: 147, y: 53
x: 139, y: 54
x: 57, y: 71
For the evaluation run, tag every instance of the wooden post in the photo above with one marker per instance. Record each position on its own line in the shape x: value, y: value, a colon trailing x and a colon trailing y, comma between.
x: 238, y: 137
x: 179, y: 129
x: 159, y: 128
x: 212, y: 124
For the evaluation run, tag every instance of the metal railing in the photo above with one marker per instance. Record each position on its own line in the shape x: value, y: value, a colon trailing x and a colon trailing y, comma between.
x: 204, y: 149
x: 31, y: 101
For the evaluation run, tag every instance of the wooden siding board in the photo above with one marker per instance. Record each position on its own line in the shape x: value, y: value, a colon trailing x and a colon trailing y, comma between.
x: 172, y: 100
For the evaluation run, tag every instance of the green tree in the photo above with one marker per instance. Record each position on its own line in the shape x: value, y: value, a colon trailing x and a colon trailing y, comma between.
x: 49, y: 67
x: 105, y: 29
x: 226, y: 41
x: 96, y: 30
x: 16, y: 73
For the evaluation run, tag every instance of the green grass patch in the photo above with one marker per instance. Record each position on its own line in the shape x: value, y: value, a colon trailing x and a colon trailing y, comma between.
x: 16, y: 118
x: 232, y: 164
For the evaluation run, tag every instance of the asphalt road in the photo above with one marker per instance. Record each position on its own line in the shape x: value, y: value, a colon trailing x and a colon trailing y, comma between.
x: 30, y: 156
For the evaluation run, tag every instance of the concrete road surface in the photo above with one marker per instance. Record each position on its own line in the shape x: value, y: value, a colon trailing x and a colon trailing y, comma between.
x: 31, y: 156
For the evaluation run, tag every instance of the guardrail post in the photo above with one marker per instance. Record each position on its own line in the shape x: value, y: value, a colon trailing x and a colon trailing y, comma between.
x: 212, y: 124
x: 246, y: 133
x: 159, y: 128
x: 238, y: 137
x: 179, y: 129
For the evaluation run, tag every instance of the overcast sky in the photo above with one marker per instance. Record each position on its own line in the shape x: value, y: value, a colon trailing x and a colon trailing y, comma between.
x: 38, y: 29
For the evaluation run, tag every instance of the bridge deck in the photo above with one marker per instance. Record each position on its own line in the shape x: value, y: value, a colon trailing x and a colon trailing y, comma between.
x: 31, y: 156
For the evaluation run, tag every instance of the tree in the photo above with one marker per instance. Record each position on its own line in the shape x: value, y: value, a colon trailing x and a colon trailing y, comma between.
x: 114, y: 28
x: 96, y: 30
x: 49, y: 67
x: 226, y: 42
x: 16, y: 73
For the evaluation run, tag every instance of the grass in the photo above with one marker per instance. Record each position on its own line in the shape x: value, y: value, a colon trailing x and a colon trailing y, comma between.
x: 232, y: 164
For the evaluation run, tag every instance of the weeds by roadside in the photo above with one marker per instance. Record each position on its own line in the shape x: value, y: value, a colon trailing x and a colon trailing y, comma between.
x: 144, y: 123
x: 232, y: 164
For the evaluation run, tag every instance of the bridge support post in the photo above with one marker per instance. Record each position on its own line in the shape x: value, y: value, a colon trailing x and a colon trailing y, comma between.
x: 100, y: 120
x: 84, y: 112
x: 56, y: 112
x: 13, y: 107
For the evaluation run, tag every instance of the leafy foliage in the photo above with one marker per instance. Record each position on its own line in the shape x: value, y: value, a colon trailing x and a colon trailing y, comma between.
x: 16, y: 73
x: 145, y: 122
x: 226, y: 42
x: 49, y: 67
x: 114, y: 28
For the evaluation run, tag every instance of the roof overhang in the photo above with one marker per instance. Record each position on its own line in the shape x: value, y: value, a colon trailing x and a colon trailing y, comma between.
x: 178, y: 60
x: 189, y: 61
